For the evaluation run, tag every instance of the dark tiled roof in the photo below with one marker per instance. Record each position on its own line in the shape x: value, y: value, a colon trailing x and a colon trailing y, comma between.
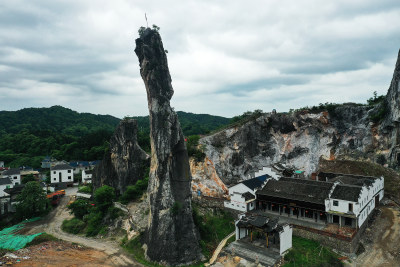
x: 89, y: 171
x: 248, y: 196
x: 262, y: 178
x: 12, y: 171
x: 4, y: 181
x: 265, y: 223
x: 310, y: 182
x: 79, y: 163
x: 253, y: 183
x: 312, y: 191
x: 61, y: 167
x: 346, y: 192
x: 352, y: 180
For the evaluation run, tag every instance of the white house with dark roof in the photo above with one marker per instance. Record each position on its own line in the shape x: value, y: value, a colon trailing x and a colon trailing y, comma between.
x: 87, y: 176
x: 62, y: 173
x: 346, y: 200
x: 353, y: 199
x: 243, y: 195
x: 14, y: 174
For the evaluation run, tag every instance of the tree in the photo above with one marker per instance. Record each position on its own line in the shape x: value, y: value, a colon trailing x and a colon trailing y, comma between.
x: 104, y: 197
x: 32, y: 201
x: 28, y: 178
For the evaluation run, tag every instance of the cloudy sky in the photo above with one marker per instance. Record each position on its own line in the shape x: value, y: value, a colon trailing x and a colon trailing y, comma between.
x: 225, y: 57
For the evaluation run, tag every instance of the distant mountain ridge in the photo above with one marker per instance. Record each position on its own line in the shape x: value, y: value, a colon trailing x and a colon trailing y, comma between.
x: 29, y: 134
x: 191, y: 123
x: 55, y: 118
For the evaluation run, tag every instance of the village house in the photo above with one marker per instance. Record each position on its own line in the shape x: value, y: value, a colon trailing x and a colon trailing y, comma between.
x: 87, y: 176
x: 14, y: 175
x: 344, y: 200
x: 62, y: 173
x: 1, y: 164
x: 243, y: 195
x: 80, y: 166
x: 5, y: 183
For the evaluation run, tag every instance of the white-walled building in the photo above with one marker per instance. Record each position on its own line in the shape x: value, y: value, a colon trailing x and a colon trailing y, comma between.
x: 353, y: 199
x: 1, y: 164
x: 62, y: 173
x: 346, y: 200
x: 242, y: 196
x: 273, y: 233
x: 14, y: 174
x: 87, y: 176
x: 4, y: 184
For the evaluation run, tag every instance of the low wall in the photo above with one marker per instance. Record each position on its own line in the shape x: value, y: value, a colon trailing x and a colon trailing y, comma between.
x: 345, y: 244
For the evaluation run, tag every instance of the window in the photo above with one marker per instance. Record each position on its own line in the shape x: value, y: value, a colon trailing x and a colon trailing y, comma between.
x: 69, y: 177
x: 15, y: 177
x: 69, y: 171
x: 54, y: 172
x: 54, y: 179
x: 350, y: 207
x: 335, y: 203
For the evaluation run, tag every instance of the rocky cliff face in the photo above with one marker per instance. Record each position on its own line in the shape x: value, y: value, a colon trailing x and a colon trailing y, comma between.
x: 171, y: 237
x: 301, y: 139
x: 125, y: 162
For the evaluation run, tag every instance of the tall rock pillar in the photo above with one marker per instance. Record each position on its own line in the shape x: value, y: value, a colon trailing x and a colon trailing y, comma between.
x: 171, y: 238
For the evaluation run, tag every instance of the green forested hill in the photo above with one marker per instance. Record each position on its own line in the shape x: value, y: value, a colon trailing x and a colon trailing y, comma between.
x: 192, y: 124
x: 29, y: 134
x: 56, y: 118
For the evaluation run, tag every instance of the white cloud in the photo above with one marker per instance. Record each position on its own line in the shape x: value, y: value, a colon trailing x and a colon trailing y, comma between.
x: 225, y: 57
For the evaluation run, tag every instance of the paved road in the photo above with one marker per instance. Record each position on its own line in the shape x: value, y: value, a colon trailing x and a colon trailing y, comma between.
x: 116, y: 254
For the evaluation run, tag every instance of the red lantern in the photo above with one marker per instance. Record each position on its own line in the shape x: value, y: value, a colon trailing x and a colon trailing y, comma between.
x: 306, y: 211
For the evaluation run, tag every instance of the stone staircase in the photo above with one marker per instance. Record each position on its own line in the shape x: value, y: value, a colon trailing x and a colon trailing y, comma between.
x: 266, y: 257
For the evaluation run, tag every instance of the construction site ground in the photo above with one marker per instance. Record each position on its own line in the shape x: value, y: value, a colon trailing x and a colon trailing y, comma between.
x: 381, y: 240
x: 71, y: 250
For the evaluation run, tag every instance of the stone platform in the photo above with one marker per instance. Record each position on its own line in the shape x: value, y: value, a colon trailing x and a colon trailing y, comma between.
x: 249, y: 251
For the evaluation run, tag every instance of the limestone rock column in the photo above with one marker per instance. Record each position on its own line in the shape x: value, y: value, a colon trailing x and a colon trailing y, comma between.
x: 172, y: 236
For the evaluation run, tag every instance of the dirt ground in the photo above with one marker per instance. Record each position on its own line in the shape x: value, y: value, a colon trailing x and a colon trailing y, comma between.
x: 58, y: 253
x: 74, y: 250
x: 382, y: 240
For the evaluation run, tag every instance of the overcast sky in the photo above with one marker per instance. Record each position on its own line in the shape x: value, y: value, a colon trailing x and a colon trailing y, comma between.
x: 225, y: 57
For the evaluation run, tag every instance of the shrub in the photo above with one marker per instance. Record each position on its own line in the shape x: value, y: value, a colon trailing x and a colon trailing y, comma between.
x: 94, y: 225
x: 104, y: 197
x: 134, y: 192
x: 73, y: 226
x: 80, y: 208
x: 45, y: 237
x: 193, y: 148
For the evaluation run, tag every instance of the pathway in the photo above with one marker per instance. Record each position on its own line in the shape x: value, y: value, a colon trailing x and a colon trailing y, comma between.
x: 219, y: 248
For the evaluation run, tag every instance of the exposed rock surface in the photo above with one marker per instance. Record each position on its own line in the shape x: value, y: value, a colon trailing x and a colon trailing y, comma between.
x: 171, y: 237
x: 206, y: 179
x: 300, y: 139
x: 125, y: 162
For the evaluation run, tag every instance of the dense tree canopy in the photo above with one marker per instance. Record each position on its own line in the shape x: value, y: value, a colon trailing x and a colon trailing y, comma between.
x: 32, y: 201
x: 28, y: 135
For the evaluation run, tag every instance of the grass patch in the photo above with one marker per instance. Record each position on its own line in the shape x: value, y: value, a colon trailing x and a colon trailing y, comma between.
x: 45, y: 237
x: 310, y: 253
x: 213, y: 228
x: 73, y: 226
x: 86, y: 189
